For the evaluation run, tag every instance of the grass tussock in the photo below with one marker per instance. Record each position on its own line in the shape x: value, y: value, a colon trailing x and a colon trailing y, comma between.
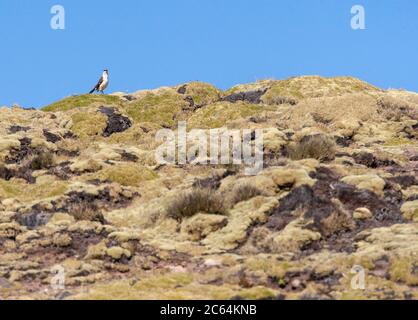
x: 41, y: 161
x: 394, y: 109
x: 279, y: 100
x: 321, y: 147
x: 196, y: 201
x: 87, y: 125
x: 82, y: 211
x: 244, y: 192
x: 128, y: 175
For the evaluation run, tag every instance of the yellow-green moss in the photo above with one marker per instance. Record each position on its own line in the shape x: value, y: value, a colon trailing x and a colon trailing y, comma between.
x: 395, y: 142
x: 174, y: 286
x: 83, y: 101
x: 160, y: 108
x: 268, y: 266
x: 313, y: 86
x: 202, y: 93
x: 127, y: 174
x: 28, y: 192
x: 219, y: 114
x: 402, y: 270
x: 88, y: 124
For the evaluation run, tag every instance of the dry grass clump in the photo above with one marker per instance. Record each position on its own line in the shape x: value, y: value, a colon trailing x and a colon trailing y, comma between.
x: 338, y: 221
x: 82, y: 211
x: 244, y: 192
x: 394, y: 109
x: 279, y: 100
x: 196, y: 201
x: 43, y: 160
x: 320, y: 146
x: 333, y: 112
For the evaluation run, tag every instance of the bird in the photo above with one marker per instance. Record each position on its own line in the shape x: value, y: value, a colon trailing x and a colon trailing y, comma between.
x: 103, y: 83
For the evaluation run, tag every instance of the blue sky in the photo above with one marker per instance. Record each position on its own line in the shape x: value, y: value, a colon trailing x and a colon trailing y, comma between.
x: 147, y: 44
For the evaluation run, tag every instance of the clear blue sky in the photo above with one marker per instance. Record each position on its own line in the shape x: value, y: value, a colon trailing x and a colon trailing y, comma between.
x: 147, y: 44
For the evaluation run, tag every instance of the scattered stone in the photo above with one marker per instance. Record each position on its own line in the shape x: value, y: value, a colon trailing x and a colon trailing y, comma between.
x: 51, y: 137
x: 370, y: 161
x: 16, y: 129
x: 116, y: 122
x: 362, y: 214
x: 249, y: 96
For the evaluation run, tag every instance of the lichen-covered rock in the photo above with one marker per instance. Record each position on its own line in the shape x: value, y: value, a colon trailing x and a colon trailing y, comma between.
x: 362, y: 214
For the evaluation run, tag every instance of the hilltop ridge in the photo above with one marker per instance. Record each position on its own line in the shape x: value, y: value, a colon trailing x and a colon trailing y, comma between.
x: 80, y: 188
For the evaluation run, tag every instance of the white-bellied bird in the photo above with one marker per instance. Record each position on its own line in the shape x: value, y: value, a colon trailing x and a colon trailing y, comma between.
x: 103, y: 83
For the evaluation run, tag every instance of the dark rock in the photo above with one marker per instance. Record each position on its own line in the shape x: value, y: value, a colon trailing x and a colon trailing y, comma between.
x: 116, y: 122
x: 249, y: 96
x: 69, y: 135
x: 343, y: 141
x: 405, y: 181
x: 370, y: 161
x: 129, y: 157
x: 5, y: 173
x: 129, y: 97
x: 182, y: 89
x: 15, y: 129
x: 34, y: 219
x: 413, y: 198
x: 17, y: 155
x: 51, y: 137
x: 329, y: 203
x: 189, y: 99
x: 63, y: 295
x: 284, y: 100
x: 213, y: 182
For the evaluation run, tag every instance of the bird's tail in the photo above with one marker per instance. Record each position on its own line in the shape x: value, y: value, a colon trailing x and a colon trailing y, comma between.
x: 94, y: 89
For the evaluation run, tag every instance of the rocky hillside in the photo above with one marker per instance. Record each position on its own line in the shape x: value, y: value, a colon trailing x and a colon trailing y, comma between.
x: 82, y: 196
